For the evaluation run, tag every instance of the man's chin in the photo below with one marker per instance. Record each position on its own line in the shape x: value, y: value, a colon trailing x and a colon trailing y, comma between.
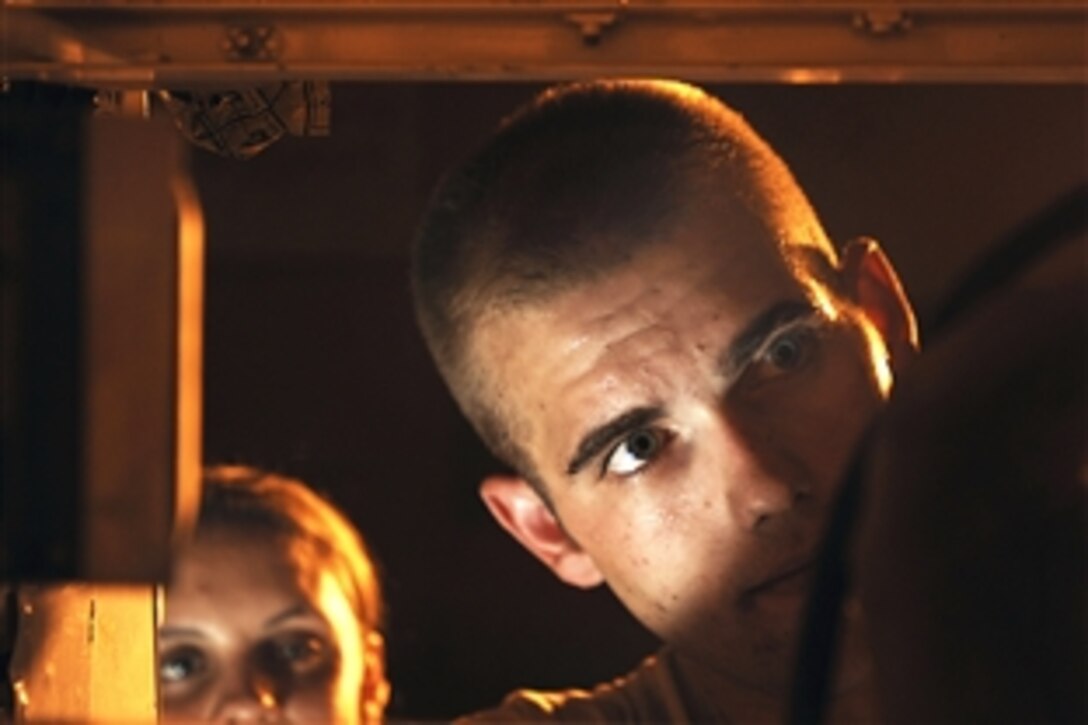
x: 762, y: 664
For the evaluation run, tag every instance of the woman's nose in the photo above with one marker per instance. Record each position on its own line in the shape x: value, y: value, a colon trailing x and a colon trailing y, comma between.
x: 258, y: 697
x: 247, y: 707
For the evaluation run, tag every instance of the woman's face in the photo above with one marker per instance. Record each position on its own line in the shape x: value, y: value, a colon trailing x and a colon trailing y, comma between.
x: 246, y: 637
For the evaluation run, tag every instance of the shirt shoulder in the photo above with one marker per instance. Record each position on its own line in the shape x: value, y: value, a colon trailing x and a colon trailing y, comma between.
x: 649, y: 694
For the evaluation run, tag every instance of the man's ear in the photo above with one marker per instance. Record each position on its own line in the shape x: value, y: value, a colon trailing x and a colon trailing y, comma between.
x: 870, y: 282
x: 518, y: 508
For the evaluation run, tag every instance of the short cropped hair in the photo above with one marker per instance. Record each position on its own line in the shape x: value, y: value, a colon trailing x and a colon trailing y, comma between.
x: 569, y: 188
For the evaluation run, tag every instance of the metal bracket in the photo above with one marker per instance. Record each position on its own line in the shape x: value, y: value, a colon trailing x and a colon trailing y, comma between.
x: 123, y: 103
x: 252, y: 43
x: 593, y: 25
x: 883, y: 22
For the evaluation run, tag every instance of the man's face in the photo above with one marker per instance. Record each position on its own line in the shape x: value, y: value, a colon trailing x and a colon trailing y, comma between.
x: 690, y: 414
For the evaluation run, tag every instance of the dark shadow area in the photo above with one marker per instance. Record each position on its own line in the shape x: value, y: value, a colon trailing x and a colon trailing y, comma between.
x: 314, y: 367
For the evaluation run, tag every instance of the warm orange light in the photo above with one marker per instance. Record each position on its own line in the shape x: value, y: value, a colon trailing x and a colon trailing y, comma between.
x: 343, y: 620
x: 267, y: 699
x: 802, y: 76
x: 190, y: 339
x: 84, y: 653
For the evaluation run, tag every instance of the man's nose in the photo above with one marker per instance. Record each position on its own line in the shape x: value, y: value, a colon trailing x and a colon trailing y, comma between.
x: 761, y: 483
x: 758, y: 500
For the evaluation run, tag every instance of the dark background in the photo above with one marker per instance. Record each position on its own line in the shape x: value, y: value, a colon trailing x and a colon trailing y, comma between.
x: 314, y: 368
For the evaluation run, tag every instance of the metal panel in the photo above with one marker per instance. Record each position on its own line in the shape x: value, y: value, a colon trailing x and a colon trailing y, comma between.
x: 101, y: 339
x: 185, y: 43
x: 85, y: 653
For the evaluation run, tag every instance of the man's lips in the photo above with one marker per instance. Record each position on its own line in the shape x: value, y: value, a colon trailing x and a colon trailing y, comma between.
x: 795, y: 579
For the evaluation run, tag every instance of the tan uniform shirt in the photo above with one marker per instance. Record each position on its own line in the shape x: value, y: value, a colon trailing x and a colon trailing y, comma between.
x: 649, y: 694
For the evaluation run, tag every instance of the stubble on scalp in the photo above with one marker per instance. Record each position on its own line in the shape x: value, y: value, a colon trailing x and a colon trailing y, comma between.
x: 572, y: 188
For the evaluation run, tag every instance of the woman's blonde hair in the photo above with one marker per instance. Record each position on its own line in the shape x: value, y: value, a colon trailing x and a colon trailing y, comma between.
x: 324, y: 542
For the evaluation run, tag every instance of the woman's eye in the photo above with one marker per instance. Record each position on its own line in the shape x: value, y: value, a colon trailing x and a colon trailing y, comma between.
x: 632, y: 454
x: 181, y: 665
x: 301, y: 651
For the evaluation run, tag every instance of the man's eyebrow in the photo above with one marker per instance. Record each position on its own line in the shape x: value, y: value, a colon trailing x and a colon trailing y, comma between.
x: 739, y: 354
x: 599, y: 438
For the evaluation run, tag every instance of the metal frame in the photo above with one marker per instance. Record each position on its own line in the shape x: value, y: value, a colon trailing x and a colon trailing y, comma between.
x: 189, y: 43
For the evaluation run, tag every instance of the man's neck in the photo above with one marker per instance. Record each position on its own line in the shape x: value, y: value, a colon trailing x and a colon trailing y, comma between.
x: 714, y: 696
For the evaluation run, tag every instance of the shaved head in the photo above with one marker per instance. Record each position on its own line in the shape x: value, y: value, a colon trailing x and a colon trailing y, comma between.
x: 571, y: 187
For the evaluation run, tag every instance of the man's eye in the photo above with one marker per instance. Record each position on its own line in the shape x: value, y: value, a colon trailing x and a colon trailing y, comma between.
x: 787, y: 352
x: 182, y: 664
x: 632, y: 454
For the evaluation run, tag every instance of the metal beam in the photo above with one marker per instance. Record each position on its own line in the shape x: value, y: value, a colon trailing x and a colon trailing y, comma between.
x: 189, y: 43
